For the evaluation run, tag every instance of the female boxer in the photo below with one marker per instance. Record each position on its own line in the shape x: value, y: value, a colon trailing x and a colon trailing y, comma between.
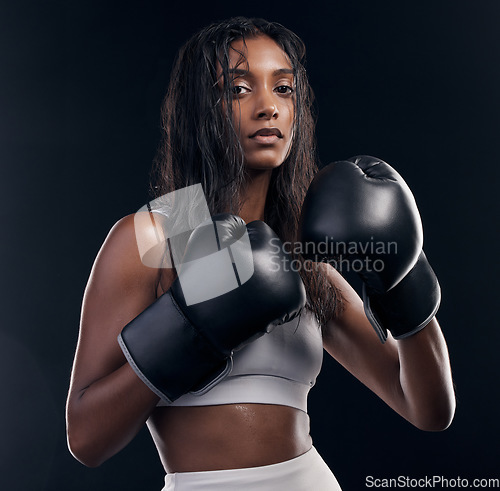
x: 222, y: 382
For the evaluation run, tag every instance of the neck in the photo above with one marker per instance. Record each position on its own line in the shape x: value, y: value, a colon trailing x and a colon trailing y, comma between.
x: 253, y: 195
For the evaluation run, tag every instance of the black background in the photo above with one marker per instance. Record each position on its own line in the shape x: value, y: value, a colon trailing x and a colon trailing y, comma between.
x: 414, y: 83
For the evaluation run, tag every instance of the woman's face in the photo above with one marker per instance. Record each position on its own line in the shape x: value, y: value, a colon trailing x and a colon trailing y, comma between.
x: 263, y: 102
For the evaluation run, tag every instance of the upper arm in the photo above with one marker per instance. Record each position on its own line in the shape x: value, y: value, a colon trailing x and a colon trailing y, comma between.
x: 351, y: 340
x: 119, y: 288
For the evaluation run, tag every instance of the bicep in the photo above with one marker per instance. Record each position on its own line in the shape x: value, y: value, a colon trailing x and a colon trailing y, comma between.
x: 120, y: 287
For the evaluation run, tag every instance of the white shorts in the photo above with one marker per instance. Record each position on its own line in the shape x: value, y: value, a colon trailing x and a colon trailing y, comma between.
x: 303, y: 473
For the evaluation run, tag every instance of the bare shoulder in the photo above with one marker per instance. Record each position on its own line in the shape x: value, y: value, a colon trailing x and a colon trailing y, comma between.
x: 131, y: 255
x: 120, y: 285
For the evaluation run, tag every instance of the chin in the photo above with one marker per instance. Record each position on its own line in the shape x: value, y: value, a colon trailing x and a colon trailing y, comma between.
x: 262, y: 166
x: 264, y: 163
x: 266, y: 158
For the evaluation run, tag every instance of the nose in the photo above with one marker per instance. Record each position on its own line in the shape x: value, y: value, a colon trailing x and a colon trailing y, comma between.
x: 266, y: 107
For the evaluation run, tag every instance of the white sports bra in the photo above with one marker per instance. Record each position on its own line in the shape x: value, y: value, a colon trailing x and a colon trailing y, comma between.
x: 280, y: 367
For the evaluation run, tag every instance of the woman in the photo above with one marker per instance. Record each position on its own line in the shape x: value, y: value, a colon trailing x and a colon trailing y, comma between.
x: 237, y: 119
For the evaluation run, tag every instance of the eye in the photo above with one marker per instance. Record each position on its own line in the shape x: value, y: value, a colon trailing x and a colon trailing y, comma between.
x: 239, y: 89
x: 284, y: 89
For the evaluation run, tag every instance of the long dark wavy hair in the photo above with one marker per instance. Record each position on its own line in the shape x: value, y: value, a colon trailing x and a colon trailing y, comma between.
x: 199, y: 143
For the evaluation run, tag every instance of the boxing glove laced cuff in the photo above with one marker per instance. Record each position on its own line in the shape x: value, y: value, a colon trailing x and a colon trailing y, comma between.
x: 408, y: 307
x: 169, y: 354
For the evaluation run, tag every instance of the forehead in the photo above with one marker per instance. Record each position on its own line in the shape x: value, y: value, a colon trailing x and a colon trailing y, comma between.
x: 260, y: 52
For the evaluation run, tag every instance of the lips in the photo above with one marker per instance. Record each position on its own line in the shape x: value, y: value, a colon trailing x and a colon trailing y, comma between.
x: 267, y: 132
x: 267, y: 136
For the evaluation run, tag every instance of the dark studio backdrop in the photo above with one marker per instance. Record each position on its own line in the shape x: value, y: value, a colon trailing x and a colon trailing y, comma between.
x: 414, y: 83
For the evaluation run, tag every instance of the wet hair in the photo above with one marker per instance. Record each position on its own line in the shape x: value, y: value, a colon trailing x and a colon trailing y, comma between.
x: 199, y: 143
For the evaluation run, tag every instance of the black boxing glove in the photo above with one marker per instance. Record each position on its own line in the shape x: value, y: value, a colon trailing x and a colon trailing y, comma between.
x: 184, y: 341
x: 362, y: 211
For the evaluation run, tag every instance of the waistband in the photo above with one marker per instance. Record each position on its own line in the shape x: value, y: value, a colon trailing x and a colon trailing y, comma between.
x: 303, y: 473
